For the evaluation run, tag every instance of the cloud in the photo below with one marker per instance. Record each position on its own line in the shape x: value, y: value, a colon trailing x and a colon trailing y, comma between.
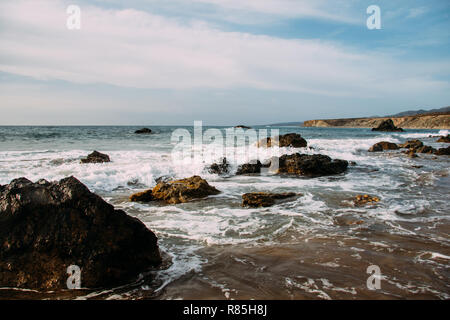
x: 417, y: 12
x: 133, y: 48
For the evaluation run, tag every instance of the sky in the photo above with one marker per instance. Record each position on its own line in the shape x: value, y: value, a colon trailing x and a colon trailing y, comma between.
x: 225, y: 62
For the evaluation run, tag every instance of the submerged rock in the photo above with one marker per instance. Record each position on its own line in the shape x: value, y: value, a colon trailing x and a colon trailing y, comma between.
x: 361, y: 200
x: 220, y: 168
x: 264, y: 199
x: 383, y: 145
x: 143, y: 131
x: 177, y: 191
x: 288, y: 140
x: 96, y: 157
x: 310, y: 165
x: 47, y: 226
x: 444, y: 139
x: 443, y: 151
x: 387, y: 126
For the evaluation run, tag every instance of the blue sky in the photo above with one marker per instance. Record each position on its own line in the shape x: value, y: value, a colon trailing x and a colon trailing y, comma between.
x: 221, y: 61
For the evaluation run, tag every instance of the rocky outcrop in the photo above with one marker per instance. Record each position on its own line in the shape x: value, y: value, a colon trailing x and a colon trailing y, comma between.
x: 444, y: 139
x: 222, y: 168
x: 382, y: 146
x: 288, y: 140
x: 264, y: 199
x: 430, y: 121
x: 387, y: 126
x: 361, y: 200
x: 96, y: 157
x: 47, y: 226
x: 143, y: 131
x: 177, y: 191
x: 310, y: 165
x: 443, y: 152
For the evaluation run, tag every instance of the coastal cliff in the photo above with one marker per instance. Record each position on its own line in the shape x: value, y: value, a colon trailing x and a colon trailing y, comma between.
x: 427, y: 121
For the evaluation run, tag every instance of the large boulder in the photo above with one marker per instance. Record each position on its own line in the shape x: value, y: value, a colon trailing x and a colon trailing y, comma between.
x: 96, y: 157
x: 177, y: 191
x: 444, y: 139
x: 47, y: 226
x: 264, y: 199
x: 310, y: 165
x: 288, y: 140
x: 383, y: 145
x: 387, y: 126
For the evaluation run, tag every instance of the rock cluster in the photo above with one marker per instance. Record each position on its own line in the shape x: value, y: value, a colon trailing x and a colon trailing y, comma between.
x: 47, y: 226
x: 361, y: 200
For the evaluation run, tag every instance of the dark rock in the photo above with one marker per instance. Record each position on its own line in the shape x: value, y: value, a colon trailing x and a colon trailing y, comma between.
x: 383, y: 145
x: 411, y: 153
x: 443, y: 151
x: 96, y: 157
x: 310, y: 165
x: 411, y: 144
x: 288, y: 140
x: 444, y: 139
x: 220, y: 168
x: 145, y: 196
x: 387, y: 126
x: 47, y: 226
x: 183, y: 190
x: 425, y: 149
x: 242, y: 127
x: 143, y: 131
x: 249, y: 168
x: 264, y: 199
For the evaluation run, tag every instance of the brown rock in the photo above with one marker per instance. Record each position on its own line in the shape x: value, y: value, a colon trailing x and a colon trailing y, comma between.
x: 183, y: 190
x: 443, y: 151
x: 145, y: 196
x: 310, y: 165
x: 444, y: 139
x: 383, y: 145
x: 361, y: 200
x: 288, y: 140
x: 264, y: 199
x: 96, y: 157
x: 249, y: 168
x: 411, y: 144
x: 425, y: 149
x: 47, y: 226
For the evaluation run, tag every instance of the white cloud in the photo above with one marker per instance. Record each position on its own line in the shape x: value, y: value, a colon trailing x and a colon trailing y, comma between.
x: 417, y: 12
x: 132, y: 48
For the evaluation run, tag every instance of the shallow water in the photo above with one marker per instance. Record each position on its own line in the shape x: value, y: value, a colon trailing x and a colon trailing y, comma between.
x: 316, y: 246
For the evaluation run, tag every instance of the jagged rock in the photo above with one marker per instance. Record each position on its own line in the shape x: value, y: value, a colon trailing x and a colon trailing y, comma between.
x: 220, y: 168
x: 264, y: 199
x: 96, y: 157
x: 310, y: 165
x: 250, y: 168
x: 288, y: 140
x: 383, y: 145
x: 361, y: 200
x: 444, y: 139
x: 143, y: 131
x: 47, y: 226
x: 387, y: 126
x: 443, y: 151
x: 178, y: 191
x: 411, y: 144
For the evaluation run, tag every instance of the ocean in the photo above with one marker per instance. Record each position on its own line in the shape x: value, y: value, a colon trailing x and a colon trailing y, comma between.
x: 317, y: 246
